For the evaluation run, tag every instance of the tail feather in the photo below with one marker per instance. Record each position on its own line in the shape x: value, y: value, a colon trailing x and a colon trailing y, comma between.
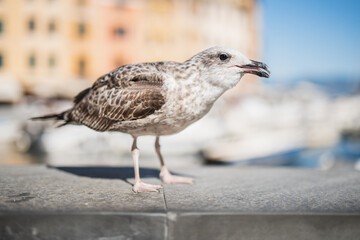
x: 56, y: 116
x: 63, y: 124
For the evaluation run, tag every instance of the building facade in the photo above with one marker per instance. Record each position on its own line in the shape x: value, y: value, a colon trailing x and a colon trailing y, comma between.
x: 50, y: 45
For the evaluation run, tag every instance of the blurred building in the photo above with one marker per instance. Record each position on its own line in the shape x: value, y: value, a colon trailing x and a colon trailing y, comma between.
x: 52, y: 47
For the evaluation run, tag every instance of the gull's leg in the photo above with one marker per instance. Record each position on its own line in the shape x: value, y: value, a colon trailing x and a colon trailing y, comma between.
x: 139, y: 186
x: 165, y: 175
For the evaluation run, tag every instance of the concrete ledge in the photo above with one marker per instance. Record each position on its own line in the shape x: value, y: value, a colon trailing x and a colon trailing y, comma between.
x: 40, y: 202
x: 263, y: 226
x: 82, y: 226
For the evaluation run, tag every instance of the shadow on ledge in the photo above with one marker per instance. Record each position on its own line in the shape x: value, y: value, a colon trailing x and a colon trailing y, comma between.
x: 122, y: 173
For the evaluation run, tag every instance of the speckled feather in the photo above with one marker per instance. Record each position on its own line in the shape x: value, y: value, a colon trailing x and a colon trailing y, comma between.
x: 128, y: 93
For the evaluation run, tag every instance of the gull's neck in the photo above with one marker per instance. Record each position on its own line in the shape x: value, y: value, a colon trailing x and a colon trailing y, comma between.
x: 188, y: 86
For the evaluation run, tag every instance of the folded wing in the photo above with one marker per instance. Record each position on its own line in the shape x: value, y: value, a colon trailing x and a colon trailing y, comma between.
x: 110, y: 101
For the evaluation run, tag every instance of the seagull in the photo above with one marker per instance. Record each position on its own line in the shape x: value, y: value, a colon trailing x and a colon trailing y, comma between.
x: 158, y: 98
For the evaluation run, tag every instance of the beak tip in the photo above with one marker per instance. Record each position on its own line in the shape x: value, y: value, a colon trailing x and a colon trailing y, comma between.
x: 265, y: 74
x: 258, y: 68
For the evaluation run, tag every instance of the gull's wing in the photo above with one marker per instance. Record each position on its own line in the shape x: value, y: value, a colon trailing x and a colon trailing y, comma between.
x: 122, y: 95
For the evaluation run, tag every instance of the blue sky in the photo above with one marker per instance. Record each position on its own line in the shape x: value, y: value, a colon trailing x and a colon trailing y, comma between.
x: 315, y: 38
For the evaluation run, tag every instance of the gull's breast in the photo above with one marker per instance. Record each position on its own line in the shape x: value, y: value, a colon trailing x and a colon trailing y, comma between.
x: 186, y: 102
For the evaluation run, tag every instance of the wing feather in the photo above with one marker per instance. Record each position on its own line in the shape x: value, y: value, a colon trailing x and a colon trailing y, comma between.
x: 105, y: 104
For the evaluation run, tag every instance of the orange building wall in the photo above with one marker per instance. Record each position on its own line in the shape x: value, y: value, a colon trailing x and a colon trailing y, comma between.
x: 152, y: 30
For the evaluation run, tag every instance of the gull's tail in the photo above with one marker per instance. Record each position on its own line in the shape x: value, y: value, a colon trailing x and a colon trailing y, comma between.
x: 66, y: 115
x: 57, y: 116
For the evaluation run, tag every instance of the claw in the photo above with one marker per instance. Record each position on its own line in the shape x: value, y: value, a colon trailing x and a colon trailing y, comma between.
x: 145, y: 187
x: 168, y: 178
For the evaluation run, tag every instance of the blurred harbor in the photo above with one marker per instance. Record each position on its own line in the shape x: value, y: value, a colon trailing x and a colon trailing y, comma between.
x: 50, y: 50
x: 304, y: 125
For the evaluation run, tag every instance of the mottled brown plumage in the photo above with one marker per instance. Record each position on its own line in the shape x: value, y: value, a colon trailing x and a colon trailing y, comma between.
x: 120, y: 95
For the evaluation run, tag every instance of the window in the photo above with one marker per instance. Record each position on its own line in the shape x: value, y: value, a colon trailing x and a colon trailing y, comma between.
x: 32, y: 61
x: 119, y: 32
x: 1, y: 26
x: 81, y: 29
x: 52, y: 27
x: 31, y: 25
x: 82, y: 67
x: 1, y: 61
x: 118, y: 63
x: 81, y: 2
x: 52, y: 62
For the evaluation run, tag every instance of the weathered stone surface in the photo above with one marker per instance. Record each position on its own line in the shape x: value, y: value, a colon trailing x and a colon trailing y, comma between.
x: 40, y: 202
x: 83, y: 189
x: 266, y: 190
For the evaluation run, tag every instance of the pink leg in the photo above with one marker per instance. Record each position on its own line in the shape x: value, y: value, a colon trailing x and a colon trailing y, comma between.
x: 139, y: 186
x: 165, y: 175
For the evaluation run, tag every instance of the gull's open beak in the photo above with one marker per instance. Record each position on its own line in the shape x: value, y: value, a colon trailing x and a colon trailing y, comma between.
x: 258, y: 68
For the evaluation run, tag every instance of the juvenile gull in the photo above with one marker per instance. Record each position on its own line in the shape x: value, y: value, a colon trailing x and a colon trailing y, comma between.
x: 159, y: 98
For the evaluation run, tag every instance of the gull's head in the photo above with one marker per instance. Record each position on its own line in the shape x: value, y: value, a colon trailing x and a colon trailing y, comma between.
x: 224, y: 67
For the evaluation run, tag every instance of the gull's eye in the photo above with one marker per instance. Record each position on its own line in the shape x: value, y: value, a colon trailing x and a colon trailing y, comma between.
x: 223, y: 56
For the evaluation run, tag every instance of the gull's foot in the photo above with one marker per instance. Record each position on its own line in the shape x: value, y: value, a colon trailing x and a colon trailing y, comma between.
x: 168, y: 178
x: 144, y: 187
